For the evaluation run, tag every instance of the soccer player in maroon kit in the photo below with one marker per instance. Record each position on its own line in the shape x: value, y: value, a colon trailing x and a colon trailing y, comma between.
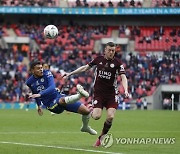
x: 108, y: 67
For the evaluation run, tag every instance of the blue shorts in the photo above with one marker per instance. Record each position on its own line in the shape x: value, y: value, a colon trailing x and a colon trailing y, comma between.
x: 57, y: 108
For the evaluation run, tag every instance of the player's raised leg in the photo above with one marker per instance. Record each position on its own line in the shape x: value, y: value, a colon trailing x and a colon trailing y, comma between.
x: 74, y: 98
x: 85, y: 120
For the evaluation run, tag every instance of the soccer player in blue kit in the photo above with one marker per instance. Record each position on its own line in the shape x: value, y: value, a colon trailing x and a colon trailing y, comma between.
x: 42, y: 85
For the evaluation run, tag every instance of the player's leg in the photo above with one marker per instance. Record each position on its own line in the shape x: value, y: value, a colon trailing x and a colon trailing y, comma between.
x: 96, y: 114
x: 97, y: 106
x: 107, y: 125
x: 85, y: 112
x: 109, y: 119
x: 111, y: 106
x: 73, y: 98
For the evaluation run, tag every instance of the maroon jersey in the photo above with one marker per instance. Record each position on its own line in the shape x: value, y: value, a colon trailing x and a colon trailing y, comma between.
x: 106, y: 74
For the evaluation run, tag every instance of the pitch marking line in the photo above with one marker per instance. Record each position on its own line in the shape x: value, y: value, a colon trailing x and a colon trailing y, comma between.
x: 41, y: 132
x: 58, y: 147
x: 64, y: 132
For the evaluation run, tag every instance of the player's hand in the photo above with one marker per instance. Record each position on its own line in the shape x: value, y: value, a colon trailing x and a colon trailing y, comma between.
x: 65, y: 76
x: 126, y: 94
x: 40, y: 111
x: 29, y: 94
x: 34, y: 96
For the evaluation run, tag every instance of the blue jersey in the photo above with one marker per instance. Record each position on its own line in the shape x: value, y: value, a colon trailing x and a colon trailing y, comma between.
x: 45, y: 86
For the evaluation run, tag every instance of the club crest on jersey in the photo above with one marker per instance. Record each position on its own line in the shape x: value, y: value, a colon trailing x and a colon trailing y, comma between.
x: 95, y: 102
x: 112, y: 65
x: 100, y: 63
x: 42, y: 80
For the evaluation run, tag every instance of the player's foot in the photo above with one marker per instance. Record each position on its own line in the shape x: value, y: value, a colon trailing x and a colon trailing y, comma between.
x: 97, y: 143
x: 52, y: 113
x: 82, y: 91
x: 88, y: 130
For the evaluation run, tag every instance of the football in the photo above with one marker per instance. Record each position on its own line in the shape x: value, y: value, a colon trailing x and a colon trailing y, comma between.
x: 50, y: 31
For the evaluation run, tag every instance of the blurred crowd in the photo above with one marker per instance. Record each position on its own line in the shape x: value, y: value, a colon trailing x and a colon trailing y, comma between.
x: 105, y: 3
x: 36, y: 3
x: 90, y: 3
x: 165, y: 3
x: 144, y: 73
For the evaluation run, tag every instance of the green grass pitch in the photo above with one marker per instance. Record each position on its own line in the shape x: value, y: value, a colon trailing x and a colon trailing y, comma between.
x: 24, y: 132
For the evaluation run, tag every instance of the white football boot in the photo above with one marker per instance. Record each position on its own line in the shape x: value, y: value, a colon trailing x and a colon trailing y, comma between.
x: 81, y: 90
x: 88, y: 130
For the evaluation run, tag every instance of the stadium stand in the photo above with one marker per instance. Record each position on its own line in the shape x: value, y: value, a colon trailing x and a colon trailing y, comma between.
x: 75, y: 47
x: 158, y: 39
x: 165, y: 3
x: 145, y: 72
x: 105, y: 3
x: 36, y: 3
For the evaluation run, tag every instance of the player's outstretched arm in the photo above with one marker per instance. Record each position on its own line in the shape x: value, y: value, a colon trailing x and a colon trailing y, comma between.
x: 34, y: 95
x: 78, y: 70
x: 125, y: 85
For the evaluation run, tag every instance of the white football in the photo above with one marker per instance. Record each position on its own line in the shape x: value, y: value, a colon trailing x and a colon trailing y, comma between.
x: 50, y: 31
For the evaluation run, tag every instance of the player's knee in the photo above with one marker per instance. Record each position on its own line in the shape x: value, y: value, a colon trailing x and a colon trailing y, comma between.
x: 96, y: 117
x: 83, y: 110
x: 86, y: 111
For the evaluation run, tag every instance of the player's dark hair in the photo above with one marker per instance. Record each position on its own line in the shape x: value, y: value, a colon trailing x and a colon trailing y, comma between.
x: 111, y: 44
x: 34, y: 63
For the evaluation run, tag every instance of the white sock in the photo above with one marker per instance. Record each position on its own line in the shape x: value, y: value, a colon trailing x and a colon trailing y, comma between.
x: 72, y: 99
x: 85, y: 120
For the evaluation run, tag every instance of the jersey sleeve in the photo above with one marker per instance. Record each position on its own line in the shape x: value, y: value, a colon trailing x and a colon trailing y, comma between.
x: 51, y: 84
x: 121, y: 69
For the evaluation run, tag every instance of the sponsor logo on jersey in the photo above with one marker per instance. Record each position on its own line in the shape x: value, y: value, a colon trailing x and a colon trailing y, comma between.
x: 37, y: 83
x: 104, y: 74
x: 106, y: 65
x: 121, y: 68
x: 40, y: 88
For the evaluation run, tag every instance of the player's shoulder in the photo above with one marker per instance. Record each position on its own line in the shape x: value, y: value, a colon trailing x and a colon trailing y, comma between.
x: 118, y: 61
x: 47, y: 73
x: 96, y: 60
x: 99, y: 58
